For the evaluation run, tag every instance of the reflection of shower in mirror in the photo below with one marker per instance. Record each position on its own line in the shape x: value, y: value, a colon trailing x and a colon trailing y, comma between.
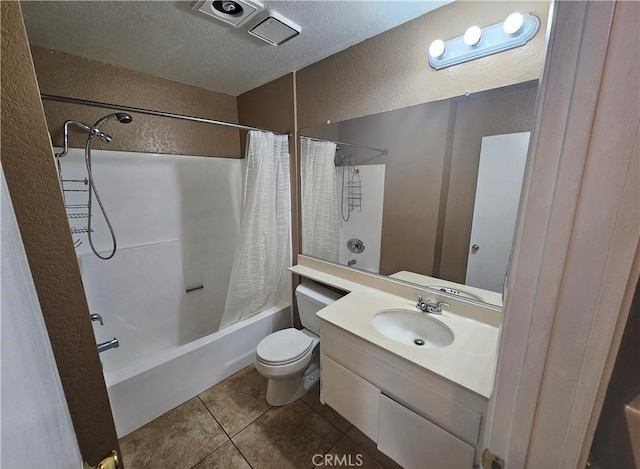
x: 355, y: 245
x: 351, y: 194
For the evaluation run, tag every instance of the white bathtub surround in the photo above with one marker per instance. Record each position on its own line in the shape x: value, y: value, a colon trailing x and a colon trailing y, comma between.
x: 319, y: 200
x: 153, y: 199
x: 177, y: 220
x: 364, y: 223
x: 263, y: 251
x: 145, y: 390
x: 140, y: 295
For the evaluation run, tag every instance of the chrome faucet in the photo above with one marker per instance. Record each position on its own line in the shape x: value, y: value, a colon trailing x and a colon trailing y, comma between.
x: 97, y: 317
x: 109, y: 344
x: 429, y: 306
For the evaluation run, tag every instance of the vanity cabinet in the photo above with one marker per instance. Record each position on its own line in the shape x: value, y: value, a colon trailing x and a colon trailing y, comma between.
x: 416, y: 418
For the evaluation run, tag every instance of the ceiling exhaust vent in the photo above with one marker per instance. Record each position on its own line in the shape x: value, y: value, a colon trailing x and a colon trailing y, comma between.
x: 275, y: 29
x: 233, y: 12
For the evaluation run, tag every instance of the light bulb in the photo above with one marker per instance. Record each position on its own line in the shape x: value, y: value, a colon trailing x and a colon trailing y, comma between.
x: 472, y: 36
x: 437, y: 48
x: 513, y: 24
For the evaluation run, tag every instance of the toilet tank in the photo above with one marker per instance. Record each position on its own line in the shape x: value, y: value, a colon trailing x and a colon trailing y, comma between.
x: 311, y: 298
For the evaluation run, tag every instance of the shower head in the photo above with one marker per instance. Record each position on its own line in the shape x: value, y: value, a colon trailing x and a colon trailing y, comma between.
x: 120, y: 116
x: 123, y: 118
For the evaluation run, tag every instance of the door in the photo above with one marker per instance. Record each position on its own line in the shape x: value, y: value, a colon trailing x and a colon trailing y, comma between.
x: 33, y: 405
x: 502, y: 161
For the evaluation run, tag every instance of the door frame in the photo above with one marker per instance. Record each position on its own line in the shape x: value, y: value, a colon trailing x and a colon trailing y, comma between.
x: 32, y: 180
x: 576, y: 256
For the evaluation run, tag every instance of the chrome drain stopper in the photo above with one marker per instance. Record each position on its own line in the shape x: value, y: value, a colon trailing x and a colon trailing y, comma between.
x: 418, y: 342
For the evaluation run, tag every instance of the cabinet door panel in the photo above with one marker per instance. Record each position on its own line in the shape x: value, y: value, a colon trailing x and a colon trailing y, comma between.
x: 351, y: 396
x: 416, y: 443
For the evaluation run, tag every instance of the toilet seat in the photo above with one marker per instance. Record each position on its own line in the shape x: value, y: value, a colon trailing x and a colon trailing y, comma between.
x: 284, y: 347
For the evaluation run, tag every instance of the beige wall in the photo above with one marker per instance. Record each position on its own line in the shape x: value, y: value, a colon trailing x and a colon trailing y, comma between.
x: 431, y: 172
x: 33, y: 184
x: 390, y: 71
x: 491, y: 113
x: 67, y: 75
x: 416, y: 138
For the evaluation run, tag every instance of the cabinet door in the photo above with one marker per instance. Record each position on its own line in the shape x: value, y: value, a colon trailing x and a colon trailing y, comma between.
x: 416, y: 443
x: 351, y: 396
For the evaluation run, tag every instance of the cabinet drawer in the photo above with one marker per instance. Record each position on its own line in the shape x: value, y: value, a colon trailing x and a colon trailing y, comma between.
x: 416, y: 443
x: 352, y: 397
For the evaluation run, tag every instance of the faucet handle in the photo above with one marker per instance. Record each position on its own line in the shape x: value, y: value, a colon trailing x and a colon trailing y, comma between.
x: 97, y: 317
x: 421, y: 305
x: 435, y: 308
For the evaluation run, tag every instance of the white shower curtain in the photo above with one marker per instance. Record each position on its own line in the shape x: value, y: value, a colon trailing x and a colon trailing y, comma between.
x: 263, y: 251
x: 320, y: 225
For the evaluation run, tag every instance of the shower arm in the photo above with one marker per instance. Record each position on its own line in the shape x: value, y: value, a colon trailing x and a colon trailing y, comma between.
x: 93, y: 131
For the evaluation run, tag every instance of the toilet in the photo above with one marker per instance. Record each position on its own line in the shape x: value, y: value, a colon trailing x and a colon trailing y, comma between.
x: 290, y: 358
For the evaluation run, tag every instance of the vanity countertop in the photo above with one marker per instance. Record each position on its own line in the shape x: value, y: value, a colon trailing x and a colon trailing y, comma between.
x: 469, y: 361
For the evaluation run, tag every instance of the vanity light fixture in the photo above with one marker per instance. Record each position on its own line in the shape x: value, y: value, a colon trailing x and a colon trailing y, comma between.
x: 437, y: 48
x: 515, y: 31
x: 472, y: 36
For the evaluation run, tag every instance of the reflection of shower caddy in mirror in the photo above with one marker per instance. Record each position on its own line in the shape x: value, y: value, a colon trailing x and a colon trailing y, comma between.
x: 351, y: 195
x: 351, y: 188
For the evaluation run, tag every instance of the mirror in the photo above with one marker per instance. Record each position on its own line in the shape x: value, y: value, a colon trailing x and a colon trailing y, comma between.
x: 426, y: 194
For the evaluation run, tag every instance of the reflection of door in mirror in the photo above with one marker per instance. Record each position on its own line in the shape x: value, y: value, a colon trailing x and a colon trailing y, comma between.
x: 502, y: 162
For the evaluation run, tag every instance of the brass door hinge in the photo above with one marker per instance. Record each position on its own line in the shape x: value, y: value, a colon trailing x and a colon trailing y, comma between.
x: 110, y: 462
x: 491, y: 461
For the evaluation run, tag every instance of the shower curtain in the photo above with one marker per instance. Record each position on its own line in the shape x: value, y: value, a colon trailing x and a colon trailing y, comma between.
x: 320, y: 225
x: 263, y: 251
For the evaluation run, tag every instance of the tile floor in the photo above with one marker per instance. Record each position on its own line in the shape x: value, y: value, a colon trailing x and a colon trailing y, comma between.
x: 231, y: 426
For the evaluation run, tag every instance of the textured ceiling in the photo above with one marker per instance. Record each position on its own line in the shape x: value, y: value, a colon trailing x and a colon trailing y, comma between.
x: 172, y: 41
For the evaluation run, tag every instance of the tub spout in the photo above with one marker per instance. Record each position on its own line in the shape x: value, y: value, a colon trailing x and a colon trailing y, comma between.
x: 109, y: 344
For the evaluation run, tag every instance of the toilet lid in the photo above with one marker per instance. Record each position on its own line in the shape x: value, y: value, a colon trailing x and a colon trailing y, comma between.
x: 282, y: 347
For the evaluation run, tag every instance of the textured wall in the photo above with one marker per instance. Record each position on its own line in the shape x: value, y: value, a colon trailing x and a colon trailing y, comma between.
x: 391, y: 71
x: 33, y: 184
x: 491, y: 113
x: 67, y: 75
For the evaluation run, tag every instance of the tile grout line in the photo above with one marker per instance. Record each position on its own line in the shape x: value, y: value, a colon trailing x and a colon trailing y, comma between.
x: 241, y: 430
x: 227, y: 435
x: 325, y: 419
x: 241, y: 454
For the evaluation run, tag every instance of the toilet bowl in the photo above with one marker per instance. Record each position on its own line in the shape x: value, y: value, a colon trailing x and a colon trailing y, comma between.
x: 290, y: 358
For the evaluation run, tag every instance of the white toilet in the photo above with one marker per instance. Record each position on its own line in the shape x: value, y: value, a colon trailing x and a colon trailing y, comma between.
x: 290, y: 358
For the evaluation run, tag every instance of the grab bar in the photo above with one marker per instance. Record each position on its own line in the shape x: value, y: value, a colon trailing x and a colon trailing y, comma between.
x: 189, y: 290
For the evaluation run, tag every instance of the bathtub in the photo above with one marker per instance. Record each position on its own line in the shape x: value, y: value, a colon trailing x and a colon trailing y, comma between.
x: 147, y: 389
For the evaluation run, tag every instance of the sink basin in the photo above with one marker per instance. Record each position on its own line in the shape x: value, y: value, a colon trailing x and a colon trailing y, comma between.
x: 410, y: 328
